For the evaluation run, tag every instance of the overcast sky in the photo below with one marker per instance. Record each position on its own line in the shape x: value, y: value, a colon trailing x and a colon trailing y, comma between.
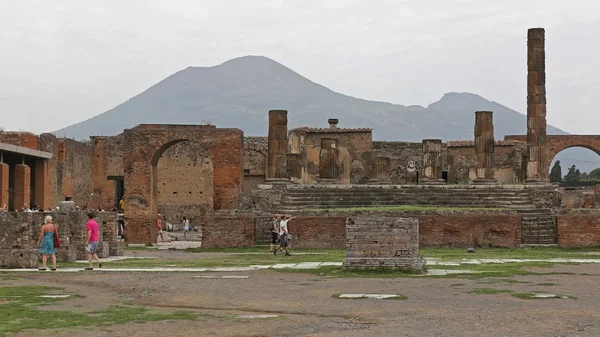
x: 65, y: 61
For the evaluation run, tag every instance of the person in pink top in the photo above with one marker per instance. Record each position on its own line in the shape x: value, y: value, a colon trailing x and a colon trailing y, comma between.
x: 92, y: 235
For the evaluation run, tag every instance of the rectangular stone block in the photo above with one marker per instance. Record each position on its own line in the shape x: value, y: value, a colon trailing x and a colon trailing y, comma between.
x: 19, y: 258
x: 103, y: 250
x: 382, y: 242
x: 116, y: 248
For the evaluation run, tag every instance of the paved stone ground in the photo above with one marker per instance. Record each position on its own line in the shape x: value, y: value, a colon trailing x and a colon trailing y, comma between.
x: 304, y: 306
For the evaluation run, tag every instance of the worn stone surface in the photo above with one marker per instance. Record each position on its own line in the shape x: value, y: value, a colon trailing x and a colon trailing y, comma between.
x: 379, y: 242
x: 380, y: 171
x: 22, y: 187
x: 4, y: 174
x: 277, y: 145
x: 227, y: 230
x: 432, y: 162
x: 66, y: 206
x: 578, y: 230
x: 508, y: 156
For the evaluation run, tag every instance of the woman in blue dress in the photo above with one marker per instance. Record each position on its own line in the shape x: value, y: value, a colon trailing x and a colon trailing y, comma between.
x: 46, y: 243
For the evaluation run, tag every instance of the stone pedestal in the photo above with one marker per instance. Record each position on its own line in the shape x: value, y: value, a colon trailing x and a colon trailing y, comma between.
x: 432, y: 162
x: 22, y: 186
x: 4, y: 184
x: 66, y: 206
x: 537, y: 172
x: 277, y: 148
x: 329, y: 171
x: 382, y: 243
x: 380, y: 171
x: 484, y: 148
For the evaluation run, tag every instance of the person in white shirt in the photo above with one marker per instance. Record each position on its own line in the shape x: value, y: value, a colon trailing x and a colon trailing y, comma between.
x: 284, y: 235
x: 186, y: 227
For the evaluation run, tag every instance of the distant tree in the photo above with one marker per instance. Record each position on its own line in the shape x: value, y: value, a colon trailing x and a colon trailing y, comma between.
x: 573, y: 175
x: 556, y: 173
x: 584, y: 176
x: 595, y: 173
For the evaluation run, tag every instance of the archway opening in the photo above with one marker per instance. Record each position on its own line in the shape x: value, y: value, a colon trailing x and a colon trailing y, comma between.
x: 577, y: 170
x: 183, y: 188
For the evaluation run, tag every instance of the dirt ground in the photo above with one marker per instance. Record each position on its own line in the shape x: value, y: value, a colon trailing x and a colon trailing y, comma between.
x: 304, y: 303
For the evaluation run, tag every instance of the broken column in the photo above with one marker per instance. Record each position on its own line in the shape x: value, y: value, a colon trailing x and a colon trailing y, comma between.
x: 484, y: 148
x: 3, y: 183
x: 277, y: 147
x: 432, y: 162
x: 380, y: 171
x: 329, y: 172
x: 537, y: 172
x: 22, y: 187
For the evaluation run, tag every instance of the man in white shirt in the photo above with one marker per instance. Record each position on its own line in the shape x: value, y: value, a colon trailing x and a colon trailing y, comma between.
x: 283, y: 235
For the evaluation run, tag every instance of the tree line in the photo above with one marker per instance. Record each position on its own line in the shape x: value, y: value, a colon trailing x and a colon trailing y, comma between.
x: 574, y: 176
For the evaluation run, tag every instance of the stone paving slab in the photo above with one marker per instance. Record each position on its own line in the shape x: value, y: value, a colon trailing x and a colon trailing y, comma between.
x: 256, y: 316
x: 223, y: 277
x: 119, y: 258
x: 375, y: 296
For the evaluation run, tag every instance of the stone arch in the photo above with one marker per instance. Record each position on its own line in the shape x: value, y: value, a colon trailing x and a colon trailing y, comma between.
x: 144, y: 146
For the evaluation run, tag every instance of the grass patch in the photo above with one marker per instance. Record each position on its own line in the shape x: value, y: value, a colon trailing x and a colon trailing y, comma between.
x: 489, y: 291
x: 546, y: 284
x: 532, y: 296
x: 454, y: 254
x: 19, y: 310
x: 457, y: 284
x: 407, y: 208
x: 501, y: 280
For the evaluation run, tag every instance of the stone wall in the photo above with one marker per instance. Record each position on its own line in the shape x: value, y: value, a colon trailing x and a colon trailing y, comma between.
x: 255, y: 162
x: 185, y: 182
x: 461, y: 162
x: 19, y: 233
x: 578, y: 229
x: 382, y: 242
x: 354, y: 153
x: 320, y: 232
x: 405, y: 159
x: 577, y: 197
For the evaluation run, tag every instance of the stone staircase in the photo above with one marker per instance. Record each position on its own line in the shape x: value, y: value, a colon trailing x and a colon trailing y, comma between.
x: 330, y: 198
x: 538, y: 228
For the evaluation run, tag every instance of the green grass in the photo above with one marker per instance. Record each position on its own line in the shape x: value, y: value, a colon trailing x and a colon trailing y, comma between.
x: 489, y: 291
x: 19, y: 309
x: 454, y: 254
x: 406, y: 208
x: 531, y: 296
x: 501, y: 280
x: 546, y: 284
x: 457, y: 284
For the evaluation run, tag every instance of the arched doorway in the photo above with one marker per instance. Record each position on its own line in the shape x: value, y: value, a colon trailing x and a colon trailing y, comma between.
x: 571, y: 168
x: 145, y: 144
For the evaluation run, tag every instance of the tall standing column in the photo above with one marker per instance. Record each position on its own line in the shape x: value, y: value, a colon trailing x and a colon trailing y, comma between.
x: 432, y: 162
x: 380, y: 171
x: 3, y: 183
x: 537, y: 172
x: 22, y: 194
x: 277, y: 147
x: 484, y: 148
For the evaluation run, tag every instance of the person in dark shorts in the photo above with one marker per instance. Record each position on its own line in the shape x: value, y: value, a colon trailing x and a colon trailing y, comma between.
x: 283, y: 235
x: 274, y: 234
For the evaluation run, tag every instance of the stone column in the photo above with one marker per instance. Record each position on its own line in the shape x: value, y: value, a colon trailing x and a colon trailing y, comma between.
x: 329, y: 172
x: 22, y: 186
x: 484, y: 148
x: 432, y: 162
x: 380, y: 171
x: 537, y: 172
x: 4, y: 183
x: 277, y: 147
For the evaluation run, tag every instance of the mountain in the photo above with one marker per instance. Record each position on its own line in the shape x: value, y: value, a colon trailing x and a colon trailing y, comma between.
x: 239, y: 92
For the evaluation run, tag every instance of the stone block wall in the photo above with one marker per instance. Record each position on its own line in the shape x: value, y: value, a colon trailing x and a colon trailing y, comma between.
x: 19, y: 233
x: 461, y: 162
x: 382, y: 242
x: 319, y: 232
x: 405, y: 159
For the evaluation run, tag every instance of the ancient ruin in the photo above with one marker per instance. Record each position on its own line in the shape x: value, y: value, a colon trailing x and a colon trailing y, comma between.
x: 230, y: 185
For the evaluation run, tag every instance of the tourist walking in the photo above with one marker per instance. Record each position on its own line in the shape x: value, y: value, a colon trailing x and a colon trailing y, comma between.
x: 186, y: 227
x: 92, y: 235
x: 284, y: 235
x: 274, y: 234
x: 159, y: 227
x: 46, y: 242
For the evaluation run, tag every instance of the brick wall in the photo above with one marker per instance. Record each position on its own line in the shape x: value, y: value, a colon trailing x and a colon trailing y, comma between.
x: 578, y: 230
x: 318, y: 232
x: 22, y: 186
x: 227, y: 231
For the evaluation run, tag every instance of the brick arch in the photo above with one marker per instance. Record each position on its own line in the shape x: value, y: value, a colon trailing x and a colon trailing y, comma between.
x: 145, y: 144
x: 558, y: 143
